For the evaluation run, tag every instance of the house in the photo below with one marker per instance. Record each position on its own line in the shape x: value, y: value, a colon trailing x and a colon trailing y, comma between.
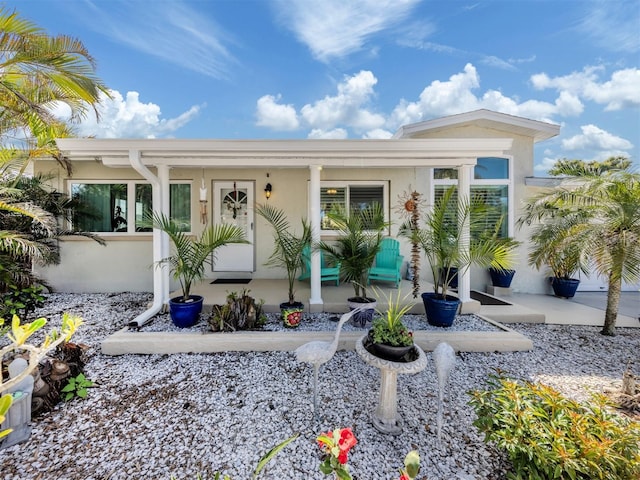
x: 203, y: 181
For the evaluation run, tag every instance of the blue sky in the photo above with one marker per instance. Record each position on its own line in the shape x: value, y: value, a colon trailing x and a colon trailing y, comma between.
x: 359, y: 69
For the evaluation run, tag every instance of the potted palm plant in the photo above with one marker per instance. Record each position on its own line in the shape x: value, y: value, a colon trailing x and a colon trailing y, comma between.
x: 557, y: 244
x: 442, y: 242
x: 288, y: 254
x: 388, y: 337
x: 355, y: 249
x: 502, y: 277
x: 188, y: 260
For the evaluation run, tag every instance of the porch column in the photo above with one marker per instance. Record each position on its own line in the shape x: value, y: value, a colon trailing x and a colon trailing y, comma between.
x: 314, y: 219
x: 164, y: 207
x: 464, y: 277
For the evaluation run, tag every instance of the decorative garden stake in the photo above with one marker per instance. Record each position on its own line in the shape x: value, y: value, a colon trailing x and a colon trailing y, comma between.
x: 444, y: 358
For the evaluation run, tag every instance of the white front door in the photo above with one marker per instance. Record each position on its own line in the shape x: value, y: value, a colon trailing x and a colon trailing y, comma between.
x: 233, y: 204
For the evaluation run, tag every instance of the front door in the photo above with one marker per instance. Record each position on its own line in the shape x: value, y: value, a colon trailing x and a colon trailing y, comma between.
x: 233, y: 204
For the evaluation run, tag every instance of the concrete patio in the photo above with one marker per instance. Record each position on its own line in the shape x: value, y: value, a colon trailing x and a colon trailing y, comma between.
x: 521, y: 308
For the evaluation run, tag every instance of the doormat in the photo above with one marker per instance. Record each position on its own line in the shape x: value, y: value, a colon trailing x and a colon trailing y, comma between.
x: 486, y: 299
x: 241, y: 281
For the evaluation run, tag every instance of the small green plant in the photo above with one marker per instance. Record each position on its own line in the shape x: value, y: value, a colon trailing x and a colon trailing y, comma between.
x: 77, y: 387
x: 21, y: 301
x: 388, y: 328
x: 549, y: 436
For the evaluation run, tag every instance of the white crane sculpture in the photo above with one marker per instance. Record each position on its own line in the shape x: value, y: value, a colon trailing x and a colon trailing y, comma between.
x: 319, y: 352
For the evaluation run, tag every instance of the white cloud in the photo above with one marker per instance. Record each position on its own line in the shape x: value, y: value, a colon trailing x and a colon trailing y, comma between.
x: 621, y: 91
x: 546, y: 164
x: 611, y: 25
x: 347, y: 107
x: 171, y: 31
x: 122, y: 117
x: 336, y: 28
x: 594, y: 138
x: 335, y: 134
x: 456, y: 95
x: 273, y: 115
x: 378, y: 133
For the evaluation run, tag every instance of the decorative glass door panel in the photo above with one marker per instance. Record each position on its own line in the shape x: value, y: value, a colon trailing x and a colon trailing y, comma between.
x: 233, y: 205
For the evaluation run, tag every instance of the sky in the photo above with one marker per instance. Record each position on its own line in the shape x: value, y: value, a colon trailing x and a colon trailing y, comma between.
x: 261, y: 69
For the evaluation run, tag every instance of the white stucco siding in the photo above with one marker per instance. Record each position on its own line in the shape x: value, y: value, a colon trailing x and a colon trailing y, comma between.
x: 88, y: 267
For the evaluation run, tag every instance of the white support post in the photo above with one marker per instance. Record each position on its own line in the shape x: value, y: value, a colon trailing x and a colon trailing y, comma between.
x: 314, y: 216
x: 163, y: 205
x: 464, y: 195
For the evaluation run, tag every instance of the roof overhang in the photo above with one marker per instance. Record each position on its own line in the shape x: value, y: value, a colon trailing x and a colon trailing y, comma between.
x: 286, y: 153
x: 485, y: 118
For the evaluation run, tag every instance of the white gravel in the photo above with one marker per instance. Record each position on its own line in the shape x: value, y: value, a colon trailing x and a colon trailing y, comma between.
x: 153, y: 416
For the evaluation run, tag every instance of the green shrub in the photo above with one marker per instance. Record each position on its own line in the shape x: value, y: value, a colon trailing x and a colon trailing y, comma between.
x: 548, y: 436
x: 21, y: 301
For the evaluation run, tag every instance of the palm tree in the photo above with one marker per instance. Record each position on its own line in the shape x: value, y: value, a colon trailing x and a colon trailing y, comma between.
x: 190, y: 255
x: 358, y: 243
x: 608, y: 232
x: 442, y: 240
x: 289, y: 247
x: 37, y: 74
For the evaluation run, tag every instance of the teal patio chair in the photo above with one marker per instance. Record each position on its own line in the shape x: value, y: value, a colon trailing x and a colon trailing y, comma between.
x: 327, y: 272
x: 388, y: 263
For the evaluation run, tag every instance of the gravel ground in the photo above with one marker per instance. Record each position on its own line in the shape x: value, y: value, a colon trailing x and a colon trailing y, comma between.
x: 153, y: 416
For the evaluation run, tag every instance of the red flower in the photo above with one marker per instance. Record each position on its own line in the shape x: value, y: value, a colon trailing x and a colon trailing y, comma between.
x: 404, y: 476
x: 342, y: 457
x: 347, y: 440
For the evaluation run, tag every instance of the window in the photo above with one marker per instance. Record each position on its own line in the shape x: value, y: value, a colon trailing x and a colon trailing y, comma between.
x: 492, y: 182
x: 122, y: 207
x: 352, y: 196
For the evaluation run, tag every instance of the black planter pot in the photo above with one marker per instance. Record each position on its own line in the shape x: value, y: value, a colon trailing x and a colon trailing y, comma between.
x: 389, y: 352
x: 361, y: 318
x: 291, y: 314
x: 185, y: 314
x: 564, y: 287
x: 440, y: 312
x: 501, y: 278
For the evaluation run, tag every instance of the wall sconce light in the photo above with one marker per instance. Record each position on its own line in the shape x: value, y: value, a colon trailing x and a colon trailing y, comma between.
x: 267, y: 191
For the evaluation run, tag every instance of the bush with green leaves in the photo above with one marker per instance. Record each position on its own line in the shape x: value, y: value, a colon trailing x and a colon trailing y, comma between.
x: 21, y: 301
x: 547, y: 436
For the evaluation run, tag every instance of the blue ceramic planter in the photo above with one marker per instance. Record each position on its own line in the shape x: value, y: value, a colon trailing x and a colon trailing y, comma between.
x: 185, y: 314
x: 440, y: 313
x: 564, y: 287
x: 501, y: 278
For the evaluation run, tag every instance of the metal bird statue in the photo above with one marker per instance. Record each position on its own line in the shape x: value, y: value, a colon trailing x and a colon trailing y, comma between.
x: 319, y: 352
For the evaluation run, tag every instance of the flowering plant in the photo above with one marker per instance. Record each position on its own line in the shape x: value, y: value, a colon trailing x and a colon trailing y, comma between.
x: 336, y: 446
x: 411, y: 466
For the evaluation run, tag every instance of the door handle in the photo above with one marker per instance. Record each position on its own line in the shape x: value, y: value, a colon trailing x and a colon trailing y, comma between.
x: 252, y: 226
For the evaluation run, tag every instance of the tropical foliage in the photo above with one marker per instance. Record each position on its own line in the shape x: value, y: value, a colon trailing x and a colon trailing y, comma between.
x: 546, y: 435
x: 191, y: 255
x: 446, y: 245
x: 594, y: 218
x: 39, y: 75
x: 288, y: 246
x: 360, y: 234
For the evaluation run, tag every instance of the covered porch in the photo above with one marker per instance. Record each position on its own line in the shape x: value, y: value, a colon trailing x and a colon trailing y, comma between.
x: 154, y: 160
